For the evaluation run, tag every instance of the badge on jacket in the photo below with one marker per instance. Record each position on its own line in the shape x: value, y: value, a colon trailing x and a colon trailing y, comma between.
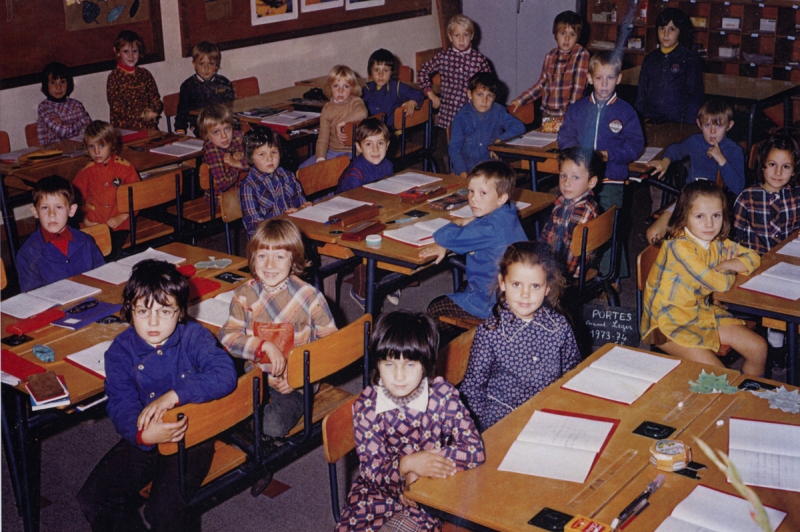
x: 675, y: 68
x: 118, y: 181
x: 615, y: 126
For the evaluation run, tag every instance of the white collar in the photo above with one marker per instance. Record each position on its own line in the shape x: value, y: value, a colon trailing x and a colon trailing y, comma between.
x: 703, y: 243
x: 384, y: 404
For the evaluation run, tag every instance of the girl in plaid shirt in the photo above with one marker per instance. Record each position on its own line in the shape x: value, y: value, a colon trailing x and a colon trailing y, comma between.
x: 60, y: 117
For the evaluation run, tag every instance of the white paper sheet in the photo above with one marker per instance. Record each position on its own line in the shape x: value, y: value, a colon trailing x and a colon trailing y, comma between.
x: 64, y: 291
x: 212, y: 311
x: 791, y: 249
x: 649, y: 154
x: 179, y: 149
x: 321, y: 212
x: 92, y: 358
x: 401, y: 183
x: 25, y: 305
x: 466, y: 210
x: 536, y: 139
x: 290, y: 118
x: 113, y: 272
x: 151, y: 253
x: 773, y: 286
x: 419, y: 234
x: 766, y: 454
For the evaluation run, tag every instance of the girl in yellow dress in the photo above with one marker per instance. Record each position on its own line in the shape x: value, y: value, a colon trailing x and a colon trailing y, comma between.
x: 695, y: 260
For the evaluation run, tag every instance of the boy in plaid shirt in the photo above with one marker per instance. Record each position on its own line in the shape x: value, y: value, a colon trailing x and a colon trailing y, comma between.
x: 578, y: 170
x: 60, y: 117
x: 224, y: 151
x: 564, y: 71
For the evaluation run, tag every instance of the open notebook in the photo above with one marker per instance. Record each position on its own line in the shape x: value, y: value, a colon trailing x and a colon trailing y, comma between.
x: 323, y: 211
x: 180, y: 149
x: 418, y: 234
x: 766, y: 454
x: 214, y: 311
x: 402, y: 182
x: 119, y: 272
x: 61, y: 292
x: 781, y: 280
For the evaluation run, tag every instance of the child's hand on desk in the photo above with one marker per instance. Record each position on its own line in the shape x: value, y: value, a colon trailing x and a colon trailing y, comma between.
x: 435, y: 101
x: 340, y: 134
x: 434, y: 250
x: 115, y: 221
x: 427, y: 464
x: 153, y: 412
x: 280, y: 384
x: 660, y: 166
x: 409, y: 107
x: 716, y: 153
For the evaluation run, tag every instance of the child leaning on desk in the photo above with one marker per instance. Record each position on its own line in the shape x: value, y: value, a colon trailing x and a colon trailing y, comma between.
x: 55, y: 251
x: 133, y: 98
x: 159, y: 363
x: 268, y: 190
x: 696, y: 260
x: 527, y: 343
x: 383, y: 94
x: 483, y: 238
x: 223, y: 151
x: 407, y: 425
x: 204, y: 88
x: 60, y: 117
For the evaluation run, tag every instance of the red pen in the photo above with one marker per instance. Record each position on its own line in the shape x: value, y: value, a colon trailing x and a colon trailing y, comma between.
x: 426, y: 238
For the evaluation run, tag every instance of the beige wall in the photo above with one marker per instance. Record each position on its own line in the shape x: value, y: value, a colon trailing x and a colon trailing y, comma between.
x: 276, y: 65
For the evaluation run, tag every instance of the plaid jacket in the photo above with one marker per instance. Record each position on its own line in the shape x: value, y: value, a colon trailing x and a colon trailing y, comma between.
x: 265, y: 196
x: 223, y: 176
x: 568, y: 214
x: 562, y: 82
x: 60, y: 120
x: 762, y: 220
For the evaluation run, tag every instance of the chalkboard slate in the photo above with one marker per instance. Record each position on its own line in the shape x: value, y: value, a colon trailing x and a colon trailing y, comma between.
x: 604, y: 324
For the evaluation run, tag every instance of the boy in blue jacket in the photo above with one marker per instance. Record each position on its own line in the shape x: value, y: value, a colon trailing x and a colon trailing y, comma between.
x: 372, y: 139
x: 55, y: 251
x: 478, y: 124
x: 159, y: 363
x: 383, y: 94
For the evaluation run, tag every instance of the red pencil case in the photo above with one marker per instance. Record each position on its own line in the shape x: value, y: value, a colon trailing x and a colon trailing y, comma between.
x: 200, y: 286
x: 17, y: 366
x: 35, y: 322
x: 187, y: 270
x: 360, y: 232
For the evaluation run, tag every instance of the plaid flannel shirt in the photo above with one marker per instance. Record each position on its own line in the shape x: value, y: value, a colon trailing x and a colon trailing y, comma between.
x: 562, y: 82
x: 60, y: 120
x: 568, y: 214
x: 761, y: 220
x: 223, y: 176
x: 265, y: 196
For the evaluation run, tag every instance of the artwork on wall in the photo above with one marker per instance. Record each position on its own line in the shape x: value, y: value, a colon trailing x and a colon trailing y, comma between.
x: 270, y: 11
x: 218, y: 9
x: 90, y: 14
x: 319, y: 5
x: 362, y: 4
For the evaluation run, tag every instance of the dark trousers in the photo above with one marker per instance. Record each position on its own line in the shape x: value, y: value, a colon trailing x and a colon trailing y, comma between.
x: 110, y: 500
x: 444, y: 306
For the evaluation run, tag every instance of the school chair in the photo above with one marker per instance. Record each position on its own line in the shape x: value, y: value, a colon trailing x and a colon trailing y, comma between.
x: 413, y: 152
x: 242, y: 88
x: 423, y: 57
x: 452, y: 359
x: 102, y: 237
x: 337, y: 440
x: 171, y: 108
x: 31, y: 135
x: 152, y: 192
x: 525, y: 113
x: 3, y: 278
x: 5, y: 144
x: 322, y: 176
x: 588, y: 237
x: 230, y: 210
x: 202, y: 214
x: 405, y: 74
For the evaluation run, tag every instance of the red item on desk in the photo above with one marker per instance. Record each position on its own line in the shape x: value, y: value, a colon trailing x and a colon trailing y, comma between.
x: 130, y: 137
x: 200, y: 286
x: 359, y: 233
x: 187, y: 270
x: 35, y: 322
x: 15, y: 365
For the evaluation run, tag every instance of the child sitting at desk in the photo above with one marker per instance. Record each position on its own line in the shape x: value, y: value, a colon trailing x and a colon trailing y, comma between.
x: 55, y: 251
x: 478, y: 124
x: 407, y: 425
x: 372, y: 140
x: 223, y: 151
x: 132, y: 93
x: 268, y: 190
x: 578, y: 171
x: 483, y: 238
x: 205, y: 88
x: 527, y: 343
x: 98, y: 181
x: 60, y: 117
x: 345, y: 106
x: 696, y: 260
x: 161, y: 362
x: 563, y: 78
x: 383, y: 94
x: 711, y: 152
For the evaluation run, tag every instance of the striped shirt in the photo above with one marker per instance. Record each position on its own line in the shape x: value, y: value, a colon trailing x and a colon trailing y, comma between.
x: 562, y: 82
x: 762, y: 220
x: 265, y: 196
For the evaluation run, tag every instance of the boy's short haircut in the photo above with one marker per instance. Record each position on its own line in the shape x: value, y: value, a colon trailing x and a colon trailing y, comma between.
x: 570, y: 19
x: 57, y: 71
x: 484, y: 79
x: 716, y: 110
x: 257, y: 137
x: 53, y: 185
x: 212, y: 115
x: 583, y: 156
x: 207, y: 48
x: 155, y: 280
x: 130, y: 37
x: 606, y: 57
x: 496, y: 172
x: 99, y: 130
x: 369, y: 127
x: 276, y: 233
x: 460, y: 20
x: 779, y: 141
x: 346, y: 73
x: 381, y: 56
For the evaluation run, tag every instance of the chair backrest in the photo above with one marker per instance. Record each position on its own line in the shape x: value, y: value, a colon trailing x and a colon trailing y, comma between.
x: 322, y: 175
x: 150, y: 192
x: 204, y: 176
x: 420, y: 116
x: 337, y: 432
x: 229, y: 206
x: 245, y: 87
x: 601, y: 229
x: 423, y: 57
x: 5, y: 144
x: 644, y: 263
x: 171, y: 108
x: 405, y: 74
x: 452, y: 359
x: 328, y: 355
x: 31, y: 135
x: 524, y: 113
x: 102, y: 237
x: 3, y: 278
x: 206, y: 420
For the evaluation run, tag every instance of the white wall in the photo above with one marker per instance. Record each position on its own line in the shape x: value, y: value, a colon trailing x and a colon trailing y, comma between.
x: 276, y: 65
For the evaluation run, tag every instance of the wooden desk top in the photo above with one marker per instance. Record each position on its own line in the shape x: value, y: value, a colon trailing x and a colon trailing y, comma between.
x: 320, y: 81
x: 276, y: 98
x: 758, y: 300
x: 677, y: 487
x: 512, y: 499
x: 740, y: 88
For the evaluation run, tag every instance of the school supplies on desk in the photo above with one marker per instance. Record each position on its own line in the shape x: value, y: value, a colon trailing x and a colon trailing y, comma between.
x: 284, y: 121
x: 13, y: 157
x: 535, y: 139
x: 47, y: 391
x: 354, y: 215
x: 18, y: 367
x: 448, y: 203
x: 86, y: 313
x: 35, y: 322
x: 419, y: 194
x: 419, y: 234
x: 119, y: 272
x: 466, y: 210
x: 61, y: 292
x: 213, y: 311
x: 91, y: 359
x: 323, y: 212
x: 129, y: 135
x: 648, y: 155
x: 781, y: 280
x: 180, y: 149
x: 401, y: 182
x: 362, y: 231
x: 766, y: 454
x: 791, y: 249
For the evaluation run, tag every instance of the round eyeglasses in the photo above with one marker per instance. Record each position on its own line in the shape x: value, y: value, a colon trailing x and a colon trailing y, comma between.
x: 165, y: 313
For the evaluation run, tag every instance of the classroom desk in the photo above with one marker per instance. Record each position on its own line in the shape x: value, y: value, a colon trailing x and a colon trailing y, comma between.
x: 750, y: 92
x: 319, y: 82
x: 498, y: 500
x: 764, y: 305
x: 676, y: 488
x: 22, y: 428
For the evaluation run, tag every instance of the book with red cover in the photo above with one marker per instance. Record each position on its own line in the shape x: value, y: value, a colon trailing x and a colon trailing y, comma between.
x: 130, y: 137
x: 46, y: 387
x: 15, y: 365
x: 36, y: 321
x: 280, y: 334
x: 200, y: 286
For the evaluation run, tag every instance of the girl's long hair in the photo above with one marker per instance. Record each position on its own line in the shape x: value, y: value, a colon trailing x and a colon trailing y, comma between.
x: 701, y: 187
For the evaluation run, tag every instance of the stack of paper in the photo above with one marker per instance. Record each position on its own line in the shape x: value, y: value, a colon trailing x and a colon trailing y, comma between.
x: 289, y: 119
x: 621, y: 375
x: 709, y: 510
x: 322, y: 212
x: 466, y: 210
x: 400, y: 183
x: 766, y: 454
x: 781, y: 280
x: 91, y: 359
x: 62, y: 292
x: 535, y: 139
x: 791, y: 248
x: 560, y: 446
x: 119, y: 272
x: 180, y: 149
x: 419, y: 234
x: 214, y: 311
x: 12, y: 157
x: 648, y: 155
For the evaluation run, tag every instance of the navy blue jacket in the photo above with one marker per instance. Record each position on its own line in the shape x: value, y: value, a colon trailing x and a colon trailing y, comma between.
x: 196, y: 93
x: 473, y: 132
x: 671, y: 86
x: 190, y: 362
x: 611, y: 126
x: 40, y: 263
x: 389, y: 97
x: 360, y: 172
x: 706, y: 167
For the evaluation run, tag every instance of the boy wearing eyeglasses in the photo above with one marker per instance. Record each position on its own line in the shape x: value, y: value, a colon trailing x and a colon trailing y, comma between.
x: 161, y: 362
